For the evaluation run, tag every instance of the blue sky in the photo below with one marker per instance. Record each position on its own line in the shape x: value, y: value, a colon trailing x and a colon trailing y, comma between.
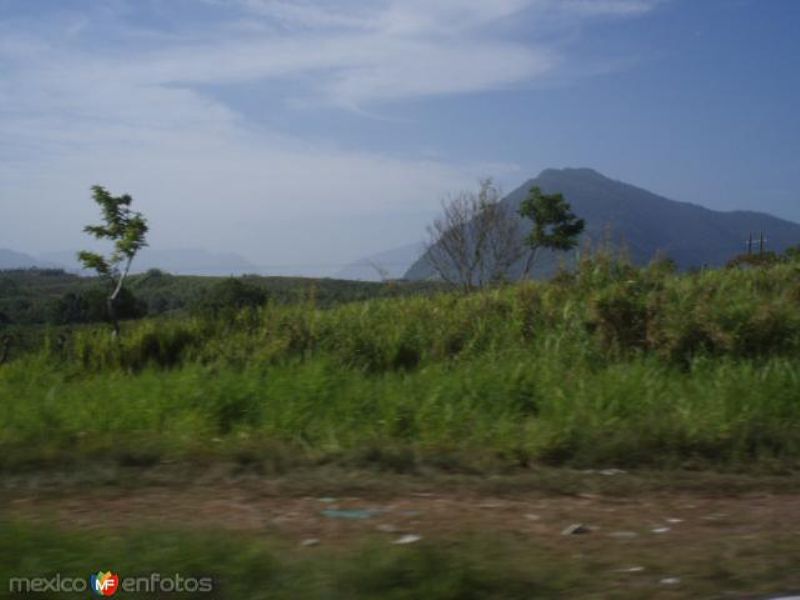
x: 313, y: 133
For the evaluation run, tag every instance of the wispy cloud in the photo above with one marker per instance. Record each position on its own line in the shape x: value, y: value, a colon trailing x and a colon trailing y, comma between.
x: 608, y: 7
x: 108, y: 95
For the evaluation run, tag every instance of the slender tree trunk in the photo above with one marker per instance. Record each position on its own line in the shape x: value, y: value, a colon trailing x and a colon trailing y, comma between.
x: 112, y: 316
x: 112, y: 299
x: 6, y: 346
x: 529, y: 262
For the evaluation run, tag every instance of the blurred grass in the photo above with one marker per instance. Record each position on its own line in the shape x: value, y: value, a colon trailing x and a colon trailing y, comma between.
x: 469, y: 565
x: 253, y: 567
x: 610, y: 365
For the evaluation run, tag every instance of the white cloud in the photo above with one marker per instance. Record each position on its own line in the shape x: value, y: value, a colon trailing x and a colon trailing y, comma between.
x: 607, y: 7
x: 132, y: 114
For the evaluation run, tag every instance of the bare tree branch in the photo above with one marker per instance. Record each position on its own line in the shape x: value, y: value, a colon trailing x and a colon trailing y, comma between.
x: 476, y: 240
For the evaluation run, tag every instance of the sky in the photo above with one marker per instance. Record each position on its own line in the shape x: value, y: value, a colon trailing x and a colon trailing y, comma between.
x: 305, y: 134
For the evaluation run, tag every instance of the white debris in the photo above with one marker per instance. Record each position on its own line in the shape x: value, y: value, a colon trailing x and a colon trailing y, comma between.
x: 612, y: 472
x: 407, y: 539
x: 533, y: 517
x: 623, y: 535
x: 631, y: 570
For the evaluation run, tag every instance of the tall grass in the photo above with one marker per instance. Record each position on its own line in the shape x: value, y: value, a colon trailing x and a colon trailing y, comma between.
x: 609, y: 365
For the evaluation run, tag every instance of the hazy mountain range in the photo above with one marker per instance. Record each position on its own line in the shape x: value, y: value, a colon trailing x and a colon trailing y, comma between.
x: 10, y: 259
x: 391, y: 264
x: 644, y: 222
x: 647, y: 223
x: 185, y: 261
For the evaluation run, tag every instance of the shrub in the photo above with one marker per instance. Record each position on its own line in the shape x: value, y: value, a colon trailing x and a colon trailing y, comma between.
x: 232, y: 295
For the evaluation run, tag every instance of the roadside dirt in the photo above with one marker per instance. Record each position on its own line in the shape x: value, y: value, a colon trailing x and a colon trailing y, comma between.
x: 653, y: 518
x: 654, y: 539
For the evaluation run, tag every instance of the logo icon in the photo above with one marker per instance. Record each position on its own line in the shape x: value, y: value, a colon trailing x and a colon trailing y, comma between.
x: 104, y: 584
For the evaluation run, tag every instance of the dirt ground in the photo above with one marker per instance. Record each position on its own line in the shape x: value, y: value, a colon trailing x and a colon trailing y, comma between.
x: 651, y: 536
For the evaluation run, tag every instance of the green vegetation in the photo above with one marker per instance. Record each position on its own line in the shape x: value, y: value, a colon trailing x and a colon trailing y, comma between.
x: 250, y: 567
x: 610, y: 365
x: 38, y: 296
x: 128, y: 231
x: 470, y: 565
x: 555, y: 226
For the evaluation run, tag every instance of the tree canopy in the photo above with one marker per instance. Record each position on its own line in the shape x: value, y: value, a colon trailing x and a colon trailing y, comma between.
x: 127, y: 230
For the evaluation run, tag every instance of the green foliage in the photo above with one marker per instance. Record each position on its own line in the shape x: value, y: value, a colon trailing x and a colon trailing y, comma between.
x: 765, y: 259
x: 233, y: 295
x: 91, y: 306
x: 611, y: 365
x: 554, y: 224
x: 125, y: 228
x: 259, y: 567
x: 31, y: 296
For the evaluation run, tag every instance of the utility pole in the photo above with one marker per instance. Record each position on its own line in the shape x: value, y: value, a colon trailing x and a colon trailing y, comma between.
x: 750, y: 244
x: 761, y: 244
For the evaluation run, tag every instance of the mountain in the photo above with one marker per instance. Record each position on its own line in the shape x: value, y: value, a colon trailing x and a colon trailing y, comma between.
x: 181, y: 261
x: 647, y: 223
x: 391, y: 264
x: 9, y: 259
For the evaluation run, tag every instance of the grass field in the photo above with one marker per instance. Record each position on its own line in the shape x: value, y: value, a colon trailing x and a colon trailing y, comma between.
x: 612, y: 366
x: 209, y: 444
x: 468, y: 566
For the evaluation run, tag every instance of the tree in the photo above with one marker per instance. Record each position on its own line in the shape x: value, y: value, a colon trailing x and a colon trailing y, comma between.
x: 476, y: 240
x: 127, y: 230
x: 91, y: 306
x: 5, y: 347
x: 792, y: 253
x: 555, y: 226
x: 233, y: 295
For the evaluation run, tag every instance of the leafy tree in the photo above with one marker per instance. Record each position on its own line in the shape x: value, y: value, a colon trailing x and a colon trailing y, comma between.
x: 127, y: 230
x: 764, y: 259
x: 233, y: 294
x: 555, y: 226
x: 792, y: 253
x: 91, y: 306
x: 8, y: 287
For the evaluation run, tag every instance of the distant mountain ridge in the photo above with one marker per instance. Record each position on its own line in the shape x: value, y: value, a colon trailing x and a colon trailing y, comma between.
x: 646, y: 223
x: 180, y: 261
x: 10, y: 259
x: 390, y: 264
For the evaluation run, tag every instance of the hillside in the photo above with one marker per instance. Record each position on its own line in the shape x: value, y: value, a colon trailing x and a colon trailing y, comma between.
x: 647, y: 223
x: 10, y: 259
x: 391, y: 264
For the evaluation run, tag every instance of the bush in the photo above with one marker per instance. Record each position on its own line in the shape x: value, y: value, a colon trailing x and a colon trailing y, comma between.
x: 232, y: 295
x: 91, y: 306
